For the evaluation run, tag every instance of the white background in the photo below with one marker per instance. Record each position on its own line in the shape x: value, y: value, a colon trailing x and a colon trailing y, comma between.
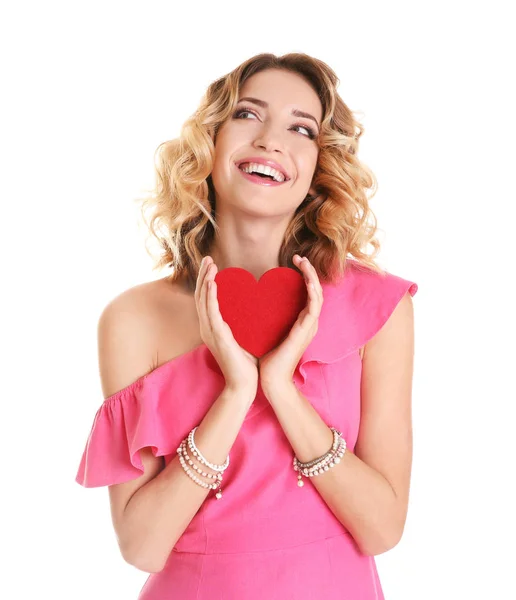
x: 89, y: 91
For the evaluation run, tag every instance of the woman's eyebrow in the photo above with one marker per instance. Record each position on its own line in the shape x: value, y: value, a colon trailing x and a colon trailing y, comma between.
x: 295, y: 112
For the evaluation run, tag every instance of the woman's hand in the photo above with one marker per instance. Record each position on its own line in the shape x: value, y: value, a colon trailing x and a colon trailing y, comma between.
x: 239, y: 367
x: 277, y: 366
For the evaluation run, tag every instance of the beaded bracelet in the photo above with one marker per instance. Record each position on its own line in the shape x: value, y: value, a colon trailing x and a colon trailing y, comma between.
x: 188, y: 459
x: 324, y: 463
x: 189, y: 472
x: 184, y: 458
x: 328, y: 454
x: 200, y: 457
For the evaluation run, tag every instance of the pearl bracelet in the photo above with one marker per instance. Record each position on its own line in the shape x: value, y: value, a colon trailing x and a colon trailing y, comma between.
x: 184, y: 458
x: 200, y: 457
x: 190, y: 473
x: 324, y: 463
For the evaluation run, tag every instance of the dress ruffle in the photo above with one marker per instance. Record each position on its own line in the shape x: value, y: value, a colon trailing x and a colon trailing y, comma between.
x: 354, y: 310
x: 125, y: 423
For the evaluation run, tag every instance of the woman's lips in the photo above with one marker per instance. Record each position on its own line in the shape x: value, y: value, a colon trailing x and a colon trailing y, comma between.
x: 260, y: 180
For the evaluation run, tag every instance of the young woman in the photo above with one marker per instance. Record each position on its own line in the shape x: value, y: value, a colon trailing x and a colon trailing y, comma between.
x: 234, y: 477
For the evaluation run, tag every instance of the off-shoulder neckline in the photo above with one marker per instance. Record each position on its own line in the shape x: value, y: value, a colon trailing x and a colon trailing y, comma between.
x: 172, y: 361
x: 153, y: 371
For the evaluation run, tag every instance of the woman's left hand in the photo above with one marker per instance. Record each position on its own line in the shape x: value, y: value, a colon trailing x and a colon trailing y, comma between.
x: 277, y: 366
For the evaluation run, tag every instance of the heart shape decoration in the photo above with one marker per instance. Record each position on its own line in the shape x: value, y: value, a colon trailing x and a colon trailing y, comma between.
x: 260, y: 313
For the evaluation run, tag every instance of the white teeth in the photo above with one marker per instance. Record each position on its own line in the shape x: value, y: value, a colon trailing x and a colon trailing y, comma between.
x: 259, y: 168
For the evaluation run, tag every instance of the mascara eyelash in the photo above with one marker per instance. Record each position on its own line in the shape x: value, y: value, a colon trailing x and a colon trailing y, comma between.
x: 311, y: 133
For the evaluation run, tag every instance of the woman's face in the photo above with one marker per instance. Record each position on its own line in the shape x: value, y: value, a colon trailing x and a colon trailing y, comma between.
x: 271, y: 132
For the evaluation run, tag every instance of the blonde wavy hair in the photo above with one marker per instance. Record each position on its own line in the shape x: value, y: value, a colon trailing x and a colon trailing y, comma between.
x: 326, y: 228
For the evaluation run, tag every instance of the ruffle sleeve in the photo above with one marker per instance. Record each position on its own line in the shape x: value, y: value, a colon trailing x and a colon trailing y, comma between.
x: 125, y: 423
x: 354, y: 310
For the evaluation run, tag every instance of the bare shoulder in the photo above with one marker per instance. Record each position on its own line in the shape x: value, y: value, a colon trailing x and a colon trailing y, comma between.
x: 141, y: 328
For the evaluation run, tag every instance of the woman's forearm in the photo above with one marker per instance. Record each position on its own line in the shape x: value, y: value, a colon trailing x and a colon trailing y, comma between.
x: 159, y: 512
x: 358, y: 495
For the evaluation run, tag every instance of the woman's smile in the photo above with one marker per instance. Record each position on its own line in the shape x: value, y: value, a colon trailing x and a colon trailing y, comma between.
x: 259, y: 179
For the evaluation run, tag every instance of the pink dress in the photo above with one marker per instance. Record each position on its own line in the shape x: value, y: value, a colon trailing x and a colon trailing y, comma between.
x: 266, y: 537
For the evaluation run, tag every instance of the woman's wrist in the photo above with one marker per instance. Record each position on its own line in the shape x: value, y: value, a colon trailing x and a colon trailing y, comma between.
x: 242, y: 391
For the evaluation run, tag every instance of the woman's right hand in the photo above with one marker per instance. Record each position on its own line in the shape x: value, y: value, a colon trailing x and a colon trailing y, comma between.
x: 239, y: 367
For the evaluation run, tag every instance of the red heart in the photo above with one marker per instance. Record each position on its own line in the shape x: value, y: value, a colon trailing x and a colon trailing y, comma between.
x: 260, y: 313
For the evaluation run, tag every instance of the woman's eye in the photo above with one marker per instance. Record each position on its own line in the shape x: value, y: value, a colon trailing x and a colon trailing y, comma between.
x: 241, y: 112
x: 310, y: 131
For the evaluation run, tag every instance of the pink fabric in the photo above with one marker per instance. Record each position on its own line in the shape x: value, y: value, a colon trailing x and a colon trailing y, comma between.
x: 266, y: 538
